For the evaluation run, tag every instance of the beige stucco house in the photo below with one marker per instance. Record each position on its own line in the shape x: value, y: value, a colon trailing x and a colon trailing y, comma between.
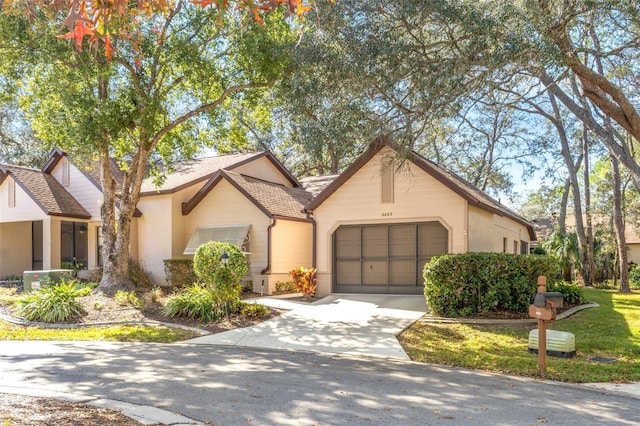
x: 250, y: 200
x: 384, y: 217
x: 370, y: 229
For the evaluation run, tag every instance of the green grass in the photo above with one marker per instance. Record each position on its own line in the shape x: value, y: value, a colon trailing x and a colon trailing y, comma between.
x: 121, y: 333
x: 612, y: 330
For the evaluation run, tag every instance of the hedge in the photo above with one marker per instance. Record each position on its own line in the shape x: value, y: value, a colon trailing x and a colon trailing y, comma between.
x: 179, y: 272
x: 467, y: 284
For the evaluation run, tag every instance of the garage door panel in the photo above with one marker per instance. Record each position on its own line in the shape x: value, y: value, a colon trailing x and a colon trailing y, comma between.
x: 375, y: 272
x: 403, y: 272
x: 375, y: 241
x: 403, y: 240
x: 348, y: 272
x: 348, y: 241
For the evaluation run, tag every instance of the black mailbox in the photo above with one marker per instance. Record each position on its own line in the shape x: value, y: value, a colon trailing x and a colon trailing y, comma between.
x: 553, y: 298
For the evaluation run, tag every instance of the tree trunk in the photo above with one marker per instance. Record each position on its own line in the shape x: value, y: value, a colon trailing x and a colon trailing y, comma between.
x: 584, y: 275
x: 618, y: 225
x: 589, y: 263
x: 115, y: 268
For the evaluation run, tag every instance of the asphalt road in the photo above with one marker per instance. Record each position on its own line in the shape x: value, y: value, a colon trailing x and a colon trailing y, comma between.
x: 240, y: 386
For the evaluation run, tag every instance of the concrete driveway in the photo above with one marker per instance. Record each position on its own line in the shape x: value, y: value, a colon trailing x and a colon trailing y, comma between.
x: 337, y: 324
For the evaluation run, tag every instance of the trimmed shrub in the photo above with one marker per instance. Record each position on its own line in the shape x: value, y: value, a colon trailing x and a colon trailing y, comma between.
x: 54, y: 303
x: 179, y: 272
x: 304, y: 281
x: 461, y: 285
x: 209, y: 268
x: 571, y: 293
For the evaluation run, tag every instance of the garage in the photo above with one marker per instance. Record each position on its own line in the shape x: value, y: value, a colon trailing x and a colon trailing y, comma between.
x: 385, y: 258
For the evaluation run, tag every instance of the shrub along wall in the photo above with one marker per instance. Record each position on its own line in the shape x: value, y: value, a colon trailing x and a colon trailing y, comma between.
x: 460, y: 285
x: 179, y: 272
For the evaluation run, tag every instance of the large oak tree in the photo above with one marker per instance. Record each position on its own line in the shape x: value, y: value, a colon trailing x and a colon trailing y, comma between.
x: 139, y: 82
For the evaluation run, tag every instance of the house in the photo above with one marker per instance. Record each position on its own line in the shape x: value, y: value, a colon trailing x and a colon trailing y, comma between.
x: 250, y: 200
x: 370, y: 229
x: 48, y: 217
x: 390, y: 212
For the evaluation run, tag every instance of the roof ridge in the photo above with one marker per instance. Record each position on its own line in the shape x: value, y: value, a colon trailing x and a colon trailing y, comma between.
x: 32, y: 169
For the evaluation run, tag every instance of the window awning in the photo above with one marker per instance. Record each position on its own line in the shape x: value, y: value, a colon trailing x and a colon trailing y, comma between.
x: 235, y: 234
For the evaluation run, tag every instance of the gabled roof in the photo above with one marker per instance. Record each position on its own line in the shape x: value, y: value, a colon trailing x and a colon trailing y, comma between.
x: 470, y: 193
x: 190, y: 172
x: 92, y: 173
x: 46, y: 191
x: 273, y: 199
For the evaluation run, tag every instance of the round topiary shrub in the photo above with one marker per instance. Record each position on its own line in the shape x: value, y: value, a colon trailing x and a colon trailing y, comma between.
x: 208, y: 266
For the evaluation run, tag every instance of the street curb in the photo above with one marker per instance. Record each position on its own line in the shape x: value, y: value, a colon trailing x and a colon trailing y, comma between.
x: 143, y: 414
x: 444, y: 320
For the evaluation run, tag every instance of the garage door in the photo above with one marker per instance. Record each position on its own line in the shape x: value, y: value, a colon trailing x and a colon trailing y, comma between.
x: 385, y: 258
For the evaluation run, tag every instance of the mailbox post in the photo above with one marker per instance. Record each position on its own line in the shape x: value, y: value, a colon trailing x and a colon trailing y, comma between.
x: 544, y: 310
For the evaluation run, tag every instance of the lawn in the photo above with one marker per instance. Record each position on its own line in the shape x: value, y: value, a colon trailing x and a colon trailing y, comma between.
x: 612, y: 330
x: 120, y: 333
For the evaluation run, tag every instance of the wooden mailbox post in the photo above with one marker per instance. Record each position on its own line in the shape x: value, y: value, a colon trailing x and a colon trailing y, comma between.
x: 544, y: 310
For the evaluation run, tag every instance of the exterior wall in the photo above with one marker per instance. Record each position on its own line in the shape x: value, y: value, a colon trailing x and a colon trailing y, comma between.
x: 154, y: 235
x: 133, y: 241
x: 633, y: 253
x: 487, y: 232
x: 15, y: 248
x: 224, y: 205
x: 418, y: 197
x: 291, y: 247
x: 25, y: 208
x: 82, y: 189
x: 262, y: 169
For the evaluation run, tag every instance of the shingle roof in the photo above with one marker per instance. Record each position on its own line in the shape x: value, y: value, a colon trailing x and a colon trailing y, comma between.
x: 467, y: 191
x: 316, y: 184
x: 189, y: 172
x: 47, y: 192
x: 273, y: 199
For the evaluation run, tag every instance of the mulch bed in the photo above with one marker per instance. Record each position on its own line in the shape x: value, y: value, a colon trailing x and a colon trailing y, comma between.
x: 19, y: 410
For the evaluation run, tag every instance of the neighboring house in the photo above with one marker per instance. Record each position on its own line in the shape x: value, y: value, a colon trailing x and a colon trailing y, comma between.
x: 250, y: 200
x: 384, y: 217
x: 43, y: 223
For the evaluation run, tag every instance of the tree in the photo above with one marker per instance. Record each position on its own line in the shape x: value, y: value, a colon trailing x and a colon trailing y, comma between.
x: 137, y: 84
x: 18, y: 144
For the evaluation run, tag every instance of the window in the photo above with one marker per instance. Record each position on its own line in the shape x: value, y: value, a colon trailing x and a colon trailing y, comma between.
x: 386, y: 179
x: 524, y: 247
x: 12, y: 192
x: 515, y: 247
x: 505, y: 244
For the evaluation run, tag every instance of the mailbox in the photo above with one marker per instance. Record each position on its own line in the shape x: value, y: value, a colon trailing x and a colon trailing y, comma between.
x: 553, y: 299
x: 547, y: 314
